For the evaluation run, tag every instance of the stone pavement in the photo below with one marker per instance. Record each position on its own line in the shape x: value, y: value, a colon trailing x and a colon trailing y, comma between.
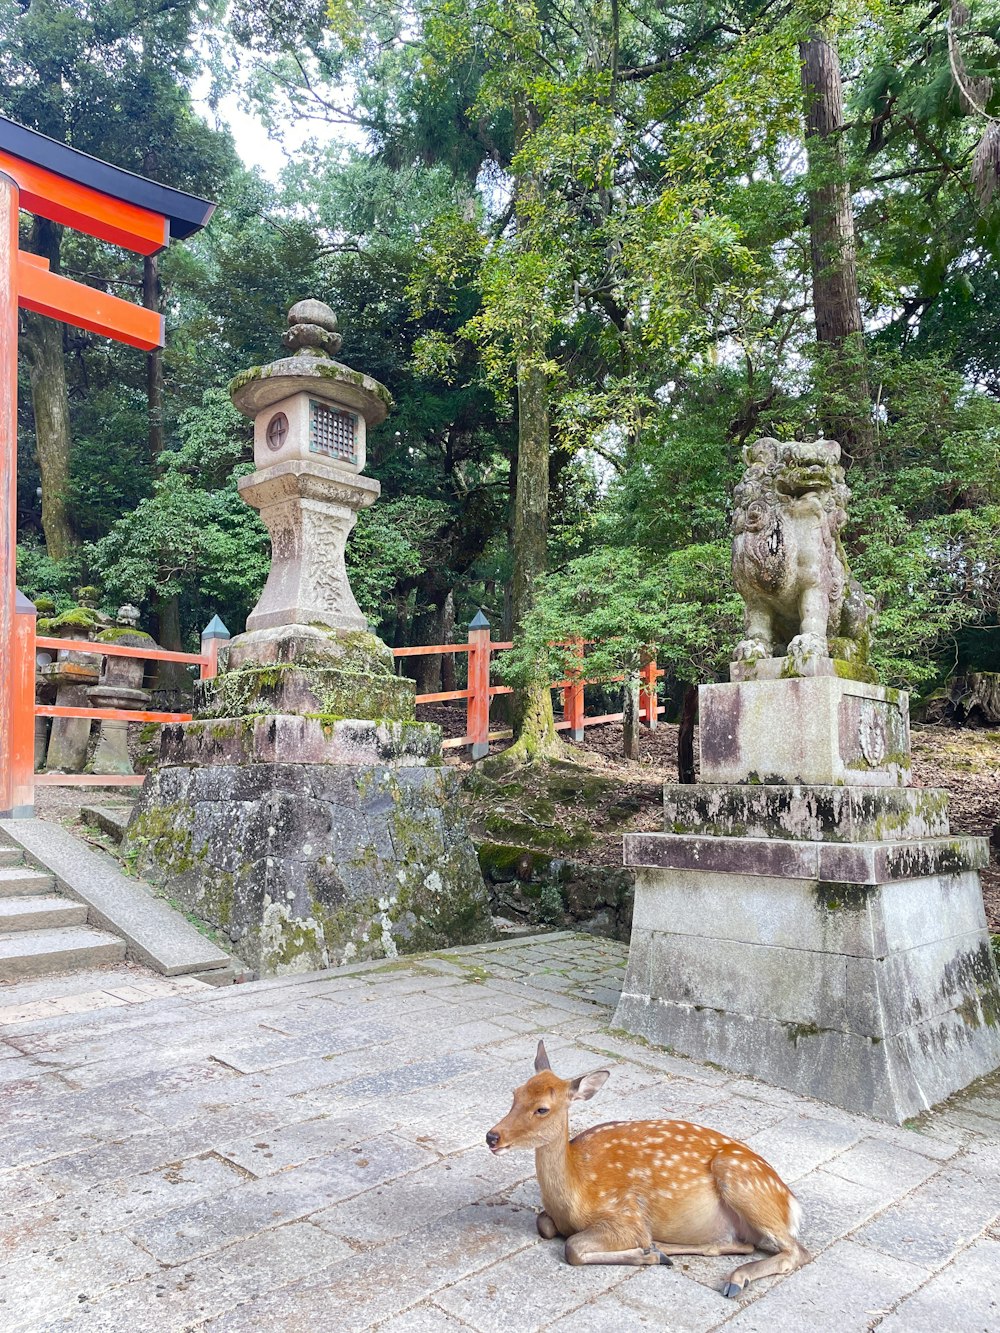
x: 307, y: 1153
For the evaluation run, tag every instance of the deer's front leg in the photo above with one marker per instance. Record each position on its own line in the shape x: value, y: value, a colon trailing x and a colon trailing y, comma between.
x: 547, y: 1229
x: 608, y: 1243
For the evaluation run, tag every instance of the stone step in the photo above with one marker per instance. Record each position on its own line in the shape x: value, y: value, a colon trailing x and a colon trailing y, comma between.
x: 220, y: 976
x: 110, y: 819
x: 32, y: 953
x: 15, y: 881
x: 10, y: 856
x: 29, y: 912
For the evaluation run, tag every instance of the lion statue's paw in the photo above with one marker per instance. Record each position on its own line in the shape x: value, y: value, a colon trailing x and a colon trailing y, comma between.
x: 805, y: 646
x: 751, y: 650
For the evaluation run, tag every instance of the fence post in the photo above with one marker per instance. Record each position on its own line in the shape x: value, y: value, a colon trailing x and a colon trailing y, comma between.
x: 478, y: 703
x: 213, y: 637
x: 648, y: 700
x: 573, y: 699
x: 22, y: 749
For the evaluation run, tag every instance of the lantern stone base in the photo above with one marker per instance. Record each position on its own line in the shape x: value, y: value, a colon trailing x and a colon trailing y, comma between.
x: 309, y: 671
x: 856, y: 969
x: 309, y: 844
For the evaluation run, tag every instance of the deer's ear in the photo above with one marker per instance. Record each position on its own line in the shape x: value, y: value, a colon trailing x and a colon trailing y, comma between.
x: 541, y: 1058
x: 583, y: 1088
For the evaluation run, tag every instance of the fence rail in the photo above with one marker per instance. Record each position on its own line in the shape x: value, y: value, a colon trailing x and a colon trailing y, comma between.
x: 478, y: 694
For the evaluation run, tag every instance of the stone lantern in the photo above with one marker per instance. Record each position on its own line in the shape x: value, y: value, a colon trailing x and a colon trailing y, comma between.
x: 120, y: 686
x: 310, y: 416
x: 69, y: 677
x: 305, y: 811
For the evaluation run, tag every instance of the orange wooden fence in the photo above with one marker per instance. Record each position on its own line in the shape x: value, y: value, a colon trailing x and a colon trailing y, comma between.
x: 27, y: 644
x: 479, y: 693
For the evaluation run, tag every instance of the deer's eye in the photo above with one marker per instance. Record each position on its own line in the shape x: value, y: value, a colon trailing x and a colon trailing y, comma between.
x: 542, y: 1110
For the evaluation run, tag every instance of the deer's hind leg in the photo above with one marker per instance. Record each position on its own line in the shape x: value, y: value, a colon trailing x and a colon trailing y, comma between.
x: 624, y: 1239
x: 768, y: 1214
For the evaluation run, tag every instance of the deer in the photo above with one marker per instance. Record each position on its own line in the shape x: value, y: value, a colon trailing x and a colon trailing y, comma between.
x: 638, y: 1191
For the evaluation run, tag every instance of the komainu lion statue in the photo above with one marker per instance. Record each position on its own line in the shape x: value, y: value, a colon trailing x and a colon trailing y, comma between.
x: 788, y: 561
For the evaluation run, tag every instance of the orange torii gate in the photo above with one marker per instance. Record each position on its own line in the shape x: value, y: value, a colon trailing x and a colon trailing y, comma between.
x: 66, y: 186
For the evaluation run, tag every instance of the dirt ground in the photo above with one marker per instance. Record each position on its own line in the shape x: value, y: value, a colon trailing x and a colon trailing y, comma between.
x: 965, y: 761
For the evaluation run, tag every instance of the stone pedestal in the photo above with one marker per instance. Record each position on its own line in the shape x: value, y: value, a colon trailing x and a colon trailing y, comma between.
x: 806, y: 918
x: 305, y: 812
x: 820, y: 729
x: 312, y: 843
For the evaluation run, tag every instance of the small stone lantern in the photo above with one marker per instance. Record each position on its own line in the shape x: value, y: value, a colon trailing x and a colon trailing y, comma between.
x: 120, y: 686
x: 69, y: 676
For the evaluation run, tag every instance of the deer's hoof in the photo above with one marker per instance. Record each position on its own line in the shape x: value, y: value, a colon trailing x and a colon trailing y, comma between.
x: 732, y: 1290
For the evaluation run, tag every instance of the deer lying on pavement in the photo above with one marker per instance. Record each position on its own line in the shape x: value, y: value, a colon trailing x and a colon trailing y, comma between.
x: 637, y: 1191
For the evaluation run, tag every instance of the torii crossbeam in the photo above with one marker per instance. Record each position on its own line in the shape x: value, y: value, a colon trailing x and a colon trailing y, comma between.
x: 66, y: 186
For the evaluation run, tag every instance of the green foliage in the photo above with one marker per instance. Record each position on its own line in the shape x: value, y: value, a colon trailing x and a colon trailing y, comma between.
x: 613, y: 194
x: 193, y: 535
x: 392, y: 543
x: 626, y: 605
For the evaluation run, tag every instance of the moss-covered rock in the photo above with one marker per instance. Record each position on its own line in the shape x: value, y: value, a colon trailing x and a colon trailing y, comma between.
x: 306, y: 866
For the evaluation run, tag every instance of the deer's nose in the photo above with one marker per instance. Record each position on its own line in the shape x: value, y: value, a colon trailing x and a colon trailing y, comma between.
x: 492, y: 1139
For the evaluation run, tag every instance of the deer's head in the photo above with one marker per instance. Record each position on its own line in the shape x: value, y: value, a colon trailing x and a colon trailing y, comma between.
x: 540, y: 1111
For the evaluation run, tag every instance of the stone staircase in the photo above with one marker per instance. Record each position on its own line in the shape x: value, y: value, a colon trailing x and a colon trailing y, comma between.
x: 41, y: 930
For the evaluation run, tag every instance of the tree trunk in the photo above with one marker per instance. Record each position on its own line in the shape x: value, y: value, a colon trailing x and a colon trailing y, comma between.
x: 842, y: 373
x: 171, y: 677
x: 535, y: 734
x: 43, y: 344
x: 427, y: 667
x: 532, y: 719
x: 630, y: 715
x: 685, y: 735
x: 448, y: 636
x: 154, y: 360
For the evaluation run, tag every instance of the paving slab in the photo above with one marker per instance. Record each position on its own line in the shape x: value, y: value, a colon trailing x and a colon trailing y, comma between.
x: 308, y: 1153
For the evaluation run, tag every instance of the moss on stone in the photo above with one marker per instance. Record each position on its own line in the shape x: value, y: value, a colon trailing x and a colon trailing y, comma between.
x: 325, y: 690
x: 116, y: 633
x: 501, y: 861
x: 77, y: 617
x: 796, y: 1032
x: 843, y: 897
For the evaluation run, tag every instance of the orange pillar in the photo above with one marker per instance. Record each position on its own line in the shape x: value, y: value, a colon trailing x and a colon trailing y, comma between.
x: 478, y: 703
x: 648, y: 699
x: 8, y: 485
x: 573, y: 700
x: 22, y: 670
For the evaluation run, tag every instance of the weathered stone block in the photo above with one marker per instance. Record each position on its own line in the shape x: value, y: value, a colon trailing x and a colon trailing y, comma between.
x: 306, y: 866
x: 814, y: 813
x: 882, y: 997
x: 286, y: 739
x: 855, y: 863
x: 821, y: 730
x: 788, y: 668
x: 329, y: 692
